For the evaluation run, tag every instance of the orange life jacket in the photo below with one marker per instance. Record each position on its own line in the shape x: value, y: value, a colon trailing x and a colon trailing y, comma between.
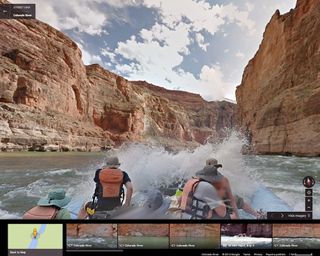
x: 197, y: 208
x: 111, y: 181
x: 41, y: 213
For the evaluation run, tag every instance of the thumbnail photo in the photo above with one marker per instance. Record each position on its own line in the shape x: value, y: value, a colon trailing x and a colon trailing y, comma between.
x: 91, y: 236
x: 35, y: 239
x: 246, y: 236
x: 194, y: 236
x: 143, y: 236
x: 296, y: 236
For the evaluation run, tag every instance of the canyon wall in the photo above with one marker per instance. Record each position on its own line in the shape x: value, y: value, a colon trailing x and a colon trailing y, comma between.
x: 153, y: 230
x: 279, y: 97
x: 92, y: 230
x: 296, y: 230
x: 195, y: 230
x: 49, y: 100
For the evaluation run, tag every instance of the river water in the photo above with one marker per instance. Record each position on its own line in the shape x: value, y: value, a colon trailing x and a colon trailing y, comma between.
x: 93, y: 243
x: 25, y: 177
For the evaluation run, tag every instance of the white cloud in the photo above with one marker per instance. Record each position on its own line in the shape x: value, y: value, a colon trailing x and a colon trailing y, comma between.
x: 201, y: 43
x: 201, y: 14
x: 156, y: 55
x: 250, y: 6
x: 155, y: 59
x: 240, y: 55
x: 241, y: 18
x: 285, y: 6
x: 120, y: 3
x: 177, y: 38
x: 108, y: 53
x: 95, y: 59
x: 226, y: 50
x: 88, y: 58
x: 161, y: 49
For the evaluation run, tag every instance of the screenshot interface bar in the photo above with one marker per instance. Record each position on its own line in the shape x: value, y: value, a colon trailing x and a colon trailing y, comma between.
x: 199, y: 239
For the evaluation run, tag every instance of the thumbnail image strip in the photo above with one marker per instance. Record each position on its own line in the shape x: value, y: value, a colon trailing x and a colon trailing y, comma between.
x: 296, y: 236
x: 246, y: 236
x: 194, y: 236
x: 143, y: 236
x: 91, y: 236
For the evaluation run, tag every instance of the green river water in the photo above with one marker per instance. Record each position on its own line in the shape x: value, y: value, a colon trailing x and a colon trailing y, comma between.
x: 25, y: 177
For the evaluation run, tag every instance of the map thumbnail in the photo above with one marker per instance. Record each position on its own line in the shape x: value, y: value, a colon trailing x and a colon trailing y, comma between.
x: 34, y: 239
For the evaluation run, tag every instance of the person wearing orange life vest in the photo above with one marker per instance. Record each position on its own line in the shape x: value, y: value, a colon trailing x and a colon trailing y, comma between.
x: 200, y: 199
x: 51, y: 207
x: 110, y: 181
x: 224, y: 184
x: 233, y: 201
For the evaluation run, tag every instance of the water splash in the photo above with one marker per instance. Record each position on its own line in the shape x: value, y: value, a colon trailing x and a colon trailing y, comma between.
x: 152, y: 166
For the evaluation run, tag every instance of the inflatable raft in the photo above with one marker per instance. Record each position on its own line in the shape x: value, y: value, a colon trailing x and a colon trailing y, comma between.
x: 153, y: 205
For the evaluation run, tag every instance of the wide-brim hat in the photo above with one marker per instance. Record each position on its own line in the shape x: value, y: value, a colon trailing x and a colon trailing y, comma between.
x: 113, y: 162
x: 212, y: 161
x: 210, y: 173
x: 55, y: 197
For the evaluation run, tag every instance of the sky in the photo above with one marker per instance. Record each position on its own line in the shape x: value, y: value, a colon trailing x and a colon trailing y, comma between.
x: 200, y: 46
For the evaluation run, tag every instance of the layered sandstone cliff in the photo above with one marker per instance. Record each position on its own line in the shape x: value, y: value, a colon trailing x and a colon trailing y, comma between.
x: 195, y: 230
x: 49, y: 100
x: 279, y: 97
x: 296, y: 230
x: 92, y: 230
x: 154, y: 230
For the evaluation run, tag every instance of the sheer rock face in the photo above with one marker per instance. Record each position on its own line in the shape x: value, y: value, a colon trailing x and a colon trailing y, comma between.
x: 91, y: 230
x: 154, y: 230
x: 49, y: 100
x: 296, y: 230
x: 195, y: 230
x: 279, y: 97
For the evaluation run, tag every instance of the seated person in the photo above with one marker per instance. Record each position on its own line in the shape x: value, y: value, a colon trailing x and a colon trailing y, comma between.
x: 109, y: 186
x: 109, y: 190
x: 228, y: 191
x: 240, y: 203
x: 51, y: 207
x: 200, y: 199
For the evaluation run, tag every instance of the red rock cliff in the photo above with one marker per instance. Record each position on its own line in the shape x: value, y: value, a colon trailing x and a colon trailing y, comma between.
x: 296, y: 230
x: 195, y: 230
x: 155, y: 230
x: 92, y: 230
x: 279, y: 97
x: 49, y: 100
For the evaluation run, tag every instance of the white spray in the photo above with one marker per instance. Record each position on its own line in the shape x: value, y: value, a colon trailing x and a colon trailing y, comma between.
x: 151, y: 166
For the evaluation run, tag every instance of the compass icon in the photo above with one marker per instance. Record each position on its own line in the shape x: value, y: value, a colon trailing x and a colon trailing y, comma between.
x: 308, y: 182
